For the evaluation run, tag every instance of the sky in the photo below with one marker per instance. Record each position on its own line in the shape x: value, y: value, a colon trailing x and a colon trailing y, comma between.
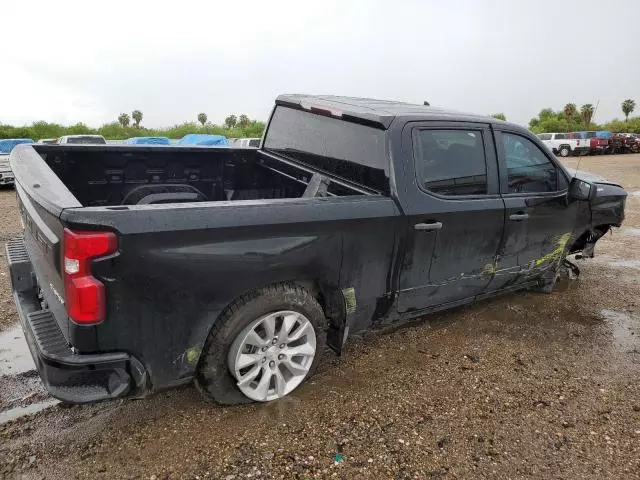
x: 68, y: 61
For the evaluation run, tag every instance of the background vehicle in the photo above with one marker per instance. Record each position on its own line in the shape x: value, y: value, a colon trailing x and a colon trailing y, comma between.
x: 81, y: 140
x: 141, y: 269
x: 598, y: 141
x: 147, y: 141
x: 204, y: 139
x: 561, y: 144
x: 6, y: 146
x: 48, y: 141
x: 628, y: 143
x: 245, y: 142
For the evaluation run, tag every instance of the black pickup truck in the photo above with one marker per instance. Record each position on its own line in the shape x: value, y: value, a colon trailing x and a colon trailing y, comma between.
x: 142, y: 267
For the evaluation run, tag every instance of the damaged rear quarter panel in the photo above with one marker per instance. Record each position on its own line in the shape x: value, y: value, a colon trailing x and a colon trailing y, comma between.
x: 167, y: 286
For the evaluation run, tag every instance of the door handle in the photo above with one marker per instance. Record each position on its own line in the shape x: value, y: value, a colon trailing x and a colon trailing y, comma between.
x: 518, y: 217
x: 427, y: 226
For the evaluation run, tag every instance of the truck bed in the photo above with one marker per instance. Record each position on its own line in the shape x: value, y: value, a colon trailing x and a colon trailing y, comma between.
x: 138, y: 175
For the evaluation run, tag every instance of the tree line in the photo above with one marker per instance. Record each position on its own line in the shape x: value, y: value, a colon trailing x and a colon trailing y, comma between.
x: 569, y: 119
x: 572, y: 119
x: 130, y: 125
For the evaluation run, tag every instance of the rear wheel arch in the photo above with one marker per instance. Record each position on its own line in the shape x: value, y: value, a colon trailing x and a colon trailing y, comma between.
x: 332, y: 301
x: 328, y: 297
x: 212, y: 377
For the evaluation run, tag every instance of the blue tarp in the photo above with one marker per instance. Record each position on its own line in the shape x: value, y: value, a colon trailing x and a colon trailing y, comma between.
x: 604, y: 134
x: 7, y: 145
x: 204, y: 139
x: 147, y: 141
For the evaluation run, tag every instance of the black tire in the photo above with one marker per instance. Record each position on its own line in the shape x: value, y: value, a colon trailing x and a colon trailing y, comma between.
x: 213, y: 378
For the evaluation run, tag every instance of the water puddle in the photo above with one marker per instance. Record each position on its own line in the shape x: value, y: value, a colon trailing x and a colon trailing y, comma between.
x: 15, y: 356
x: 17, y: 412
x: 625, y: 329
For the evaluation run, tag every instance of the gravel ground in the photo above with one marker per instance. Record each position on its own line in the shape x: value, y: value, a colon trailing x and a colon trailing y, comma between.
x: 523, y: 386
x: 9, y: 227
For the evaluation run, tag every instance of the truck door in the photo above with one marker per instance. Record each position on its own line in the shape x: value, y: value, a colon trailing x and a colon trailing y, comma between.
x: 539, y: 217
x: 454, y: 211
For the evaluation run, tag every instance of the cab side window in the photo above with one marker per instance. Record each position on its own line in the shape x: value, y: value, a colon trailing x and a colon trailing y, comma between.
x: 528, y: 168
x: 450, y: 162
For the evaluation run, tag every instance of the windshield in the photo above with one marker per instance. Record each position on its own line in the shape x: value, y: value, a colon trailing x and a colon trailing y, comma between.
x: 86, y: 140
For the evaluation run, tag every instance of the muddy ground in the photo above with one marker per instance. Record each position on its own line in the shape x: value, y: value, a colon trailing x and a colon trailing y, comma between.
x: 523, y: 386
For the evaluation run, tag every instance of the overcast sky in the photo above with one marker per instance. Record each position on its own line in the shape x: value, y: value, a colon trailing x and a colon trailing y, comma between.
x: 84, y: 61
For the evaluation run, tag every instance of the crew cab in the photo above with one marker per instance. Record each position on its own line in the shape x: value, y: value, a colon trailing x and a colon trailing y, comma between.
x: 145, y: 267
x: 563, y: 145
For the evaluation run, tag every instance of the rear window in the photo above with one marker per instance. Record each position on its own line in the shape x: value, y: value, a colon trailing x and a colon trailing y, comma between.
x: 86, y: 140
x: 255, y: 142
x: 345, y: 149
x: 544, y: 136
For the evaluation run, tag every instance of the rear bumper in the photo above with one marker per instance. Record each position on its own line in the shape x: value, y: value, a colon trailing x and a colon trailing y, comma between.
x: 67, y: 375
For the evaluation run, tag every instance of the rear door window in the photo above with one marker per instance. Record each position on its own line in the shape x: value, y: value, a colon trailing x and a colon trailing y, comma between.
x: 450, y: 162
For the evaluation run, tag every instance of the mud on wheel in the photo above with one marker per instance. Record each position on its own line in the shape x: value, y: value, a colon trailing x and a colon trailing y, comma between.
x: 263, y: 346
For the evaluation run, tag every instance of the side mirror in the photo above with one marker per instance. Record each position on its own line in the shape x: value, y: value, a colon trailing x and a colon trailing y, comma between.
x: 581, y: 190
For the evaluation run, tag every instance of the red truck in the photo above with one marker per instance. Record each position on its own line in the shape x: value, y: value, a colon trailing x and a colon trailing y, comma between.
x: 597, y: 145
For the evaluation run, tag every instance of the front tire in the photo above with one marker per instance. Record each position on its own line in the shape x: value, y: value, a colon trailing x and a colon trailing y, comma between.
x: 564, y: 151
x: 263, y: 346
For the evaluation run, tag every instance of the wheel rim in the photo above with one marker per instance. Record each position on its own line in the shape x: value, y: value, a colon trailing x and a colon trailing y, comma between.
x: 564, y: 152
x: 273, y: 355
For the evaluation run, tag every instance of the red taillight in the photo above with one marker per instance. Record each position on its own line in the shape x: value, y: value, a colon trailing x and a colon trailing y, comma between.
x: 84, y: 294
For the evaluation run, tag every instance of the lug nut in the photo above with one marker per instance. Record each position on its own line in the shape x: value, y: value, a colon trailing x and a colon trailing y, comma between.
x: 282, y: 345
x: 264, y: 349
x: 264, y: 359
x: 272, y: 364
x: 281, y: 356
x: 275, y: 340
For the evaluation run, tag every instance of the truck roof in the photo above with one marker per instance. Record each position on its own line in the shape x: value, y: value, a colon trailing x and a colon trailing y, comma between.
x: 380, y: 112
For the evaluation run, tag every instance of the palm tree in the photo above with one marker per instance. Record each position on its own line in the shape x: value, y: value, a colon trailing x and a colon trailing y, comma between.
x: 570, y: 110
x: 137, y: 118
x: 586, y: 111
x: 124, y: 120
x: 202, y: 118
x: 628, y: 106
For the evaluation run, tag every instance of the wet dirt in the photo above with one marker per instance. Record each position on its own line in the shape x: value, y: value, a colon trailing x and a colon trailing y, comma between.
x: 9, y: 227
x: 523, y: 386
x: 15, y: 357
